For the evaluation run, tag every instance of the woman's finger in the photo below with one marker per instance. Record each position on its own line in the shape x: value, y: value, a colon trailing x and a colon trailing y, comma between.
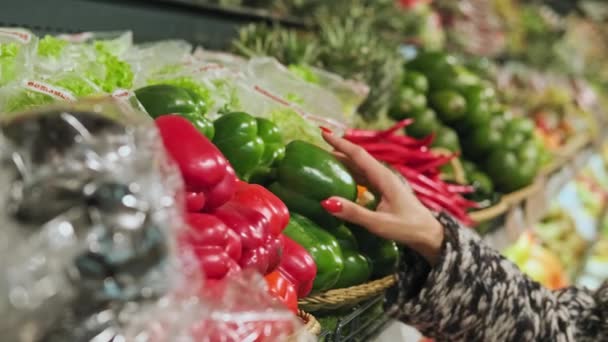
x: 350, y: 211
x: 357, y: 174
x: 378, y: 176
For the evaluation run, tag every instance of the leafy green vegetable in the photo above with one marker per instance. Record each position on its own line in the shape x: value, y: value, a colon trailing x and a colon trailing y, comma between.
x: 28, y: 99
x: 293, y: 126
x: 50, y: 46
x: 118, y: 74
x: 305, y: 73
x: 8, y: 62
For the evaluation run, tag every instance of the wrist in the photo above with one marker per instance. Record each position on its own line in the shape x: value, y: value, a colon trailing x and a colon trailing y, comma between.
x: 428, y: 241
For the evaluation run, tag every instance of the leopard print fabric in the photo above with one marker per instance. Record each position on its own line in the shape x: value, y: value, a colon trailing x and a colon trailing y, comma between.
x: 475, y: 294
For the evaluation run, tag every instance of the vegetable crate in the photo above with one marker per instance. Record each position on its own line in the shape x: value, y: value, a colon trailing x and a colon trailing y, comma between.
x: 361, y: 324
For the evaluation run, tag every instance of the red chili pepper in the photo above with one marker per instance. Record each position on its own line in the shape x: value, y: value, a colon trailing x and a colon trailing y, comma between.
x: 265, y: 202
x: 202, y: 165
x: 298, y: 266
x: 281, y: 288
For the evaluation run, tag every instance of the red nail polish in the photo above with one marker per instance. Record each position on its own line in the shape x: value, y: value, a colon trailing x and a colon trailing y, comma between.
x: 326, y: 130
x: 332, y: 205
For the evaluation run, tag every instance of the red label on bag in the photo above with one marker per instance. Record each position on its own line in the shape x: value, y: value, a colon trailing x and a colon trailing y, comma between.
x: 211, y: 67
x: 77, y: 37
x: 22, y: 36
x: 121, y: 94
x: 47, y: 89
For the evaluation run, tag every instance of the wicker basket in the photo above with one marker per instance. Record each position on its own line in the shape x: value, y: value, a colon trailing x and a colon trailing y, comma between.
x: 350, y: 296
x: 310, y: 323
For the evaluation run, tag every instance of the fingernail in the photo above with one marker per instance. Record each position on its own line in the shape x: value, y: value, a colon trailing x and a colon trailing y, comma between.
x: 332, y: 205
x: 326, y: 130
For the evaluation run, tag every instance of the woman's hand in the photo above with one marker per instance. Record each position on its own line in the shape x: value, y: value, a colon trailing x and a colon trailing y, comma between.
x: 399, y: 215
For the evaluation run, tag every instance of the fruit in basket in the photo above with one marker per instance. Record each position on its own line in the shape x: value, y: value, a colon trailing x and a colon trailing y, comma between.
x: 203, y: 167
x: 322, y: 246
x: 298, y: 266
x: 161, y: 99
x: 281, y: 288
x: 484, y: 139
x: 447, y: 138
x: 251, y: 144
x: 512, y: 170
x: 425, y: 123
x: 383, y: 254
x: 407, y: 102
x: 415, y: 80
x: 308, y: 175
x: 357, y: 268
x: 449, y: 104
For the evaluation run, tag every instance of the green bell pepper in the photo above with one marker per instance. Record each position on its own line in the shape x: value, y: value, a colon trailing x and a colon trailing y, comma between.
x: 250, y: 144
x: 384, y: 254
x: 161, y: 99
x: 322, y: 246
x: 308, y: 175
x: 357, y: 267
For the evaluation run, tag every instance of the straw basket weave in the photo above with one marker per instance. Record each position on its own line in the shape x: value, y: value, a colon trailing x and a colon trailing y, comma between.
x: 350, y: 296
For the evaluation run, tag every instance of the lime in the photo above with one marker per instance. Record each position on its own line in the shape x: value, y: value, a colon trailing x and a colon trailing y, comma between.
x: 416, y: 81
x: 447, y: 138
x: 482, y: 141
x: 482, y: 182
x: 521, y: 125
x: 425, y: 123
x: 407, y: 103
x: 450, y: 105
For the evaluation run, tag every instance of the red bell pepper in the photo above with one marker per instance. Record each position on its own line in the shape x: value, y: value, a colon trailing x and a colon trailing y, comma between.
x: 216, y: 247
x: 298, y: 266
x: 209, y: 178
x: 281, y: 288
x: 261, y: 250
x: 266, y: 203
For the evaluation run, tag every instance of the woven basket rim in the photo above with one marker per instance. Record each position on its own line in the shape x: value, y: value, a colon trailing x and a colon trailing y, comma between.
x: 311, y: 324
x: 337, y: 298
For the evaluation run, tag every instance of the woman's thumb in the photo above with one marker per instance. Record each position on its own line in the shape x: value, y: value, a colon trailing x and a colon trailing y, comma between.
x: 349, y: 211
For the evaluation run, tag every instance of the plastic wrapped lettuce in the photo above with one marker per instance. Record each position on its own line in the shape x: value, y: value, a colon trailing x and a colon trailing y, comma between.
x: 17, y: 48
x: 351, y: 93
x: 151, y: 60
x: 270, y: 74
x: 31, y: 93
x: 67, y: 71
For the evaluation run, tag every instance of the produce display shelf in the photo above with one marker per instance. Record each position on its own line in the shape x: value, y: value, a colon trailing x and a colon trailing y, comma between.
x: 210, y: 26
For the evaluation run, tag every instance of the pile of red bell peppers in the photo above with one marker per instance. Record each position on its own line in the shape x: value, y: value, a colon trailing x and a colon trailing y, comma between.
x: 234, y: 225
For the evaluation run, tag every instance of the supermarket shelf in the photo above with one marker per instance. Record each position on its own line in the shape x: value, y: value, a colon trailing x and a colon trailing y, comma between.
x: 210, y: 26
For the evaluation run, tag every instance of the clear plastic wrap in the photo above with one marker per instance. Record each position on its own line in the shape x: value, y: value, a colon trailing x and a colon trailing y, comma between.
x: 270, y: 74
x: 90, y: 214
x: 17, y: 49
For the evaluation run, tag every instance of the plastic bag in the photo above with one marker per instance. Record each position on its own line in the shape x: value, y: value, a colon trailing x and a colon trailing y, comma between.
x: 273, y: 76
x: 351, y: 93
x: 90, y: 216
x: 17, y: 48
x: 89, y: 210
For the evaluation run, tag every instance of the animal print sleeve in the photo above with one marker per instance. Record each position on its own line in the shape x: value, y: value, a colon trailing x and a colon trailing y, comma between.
x: 474, y: 294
